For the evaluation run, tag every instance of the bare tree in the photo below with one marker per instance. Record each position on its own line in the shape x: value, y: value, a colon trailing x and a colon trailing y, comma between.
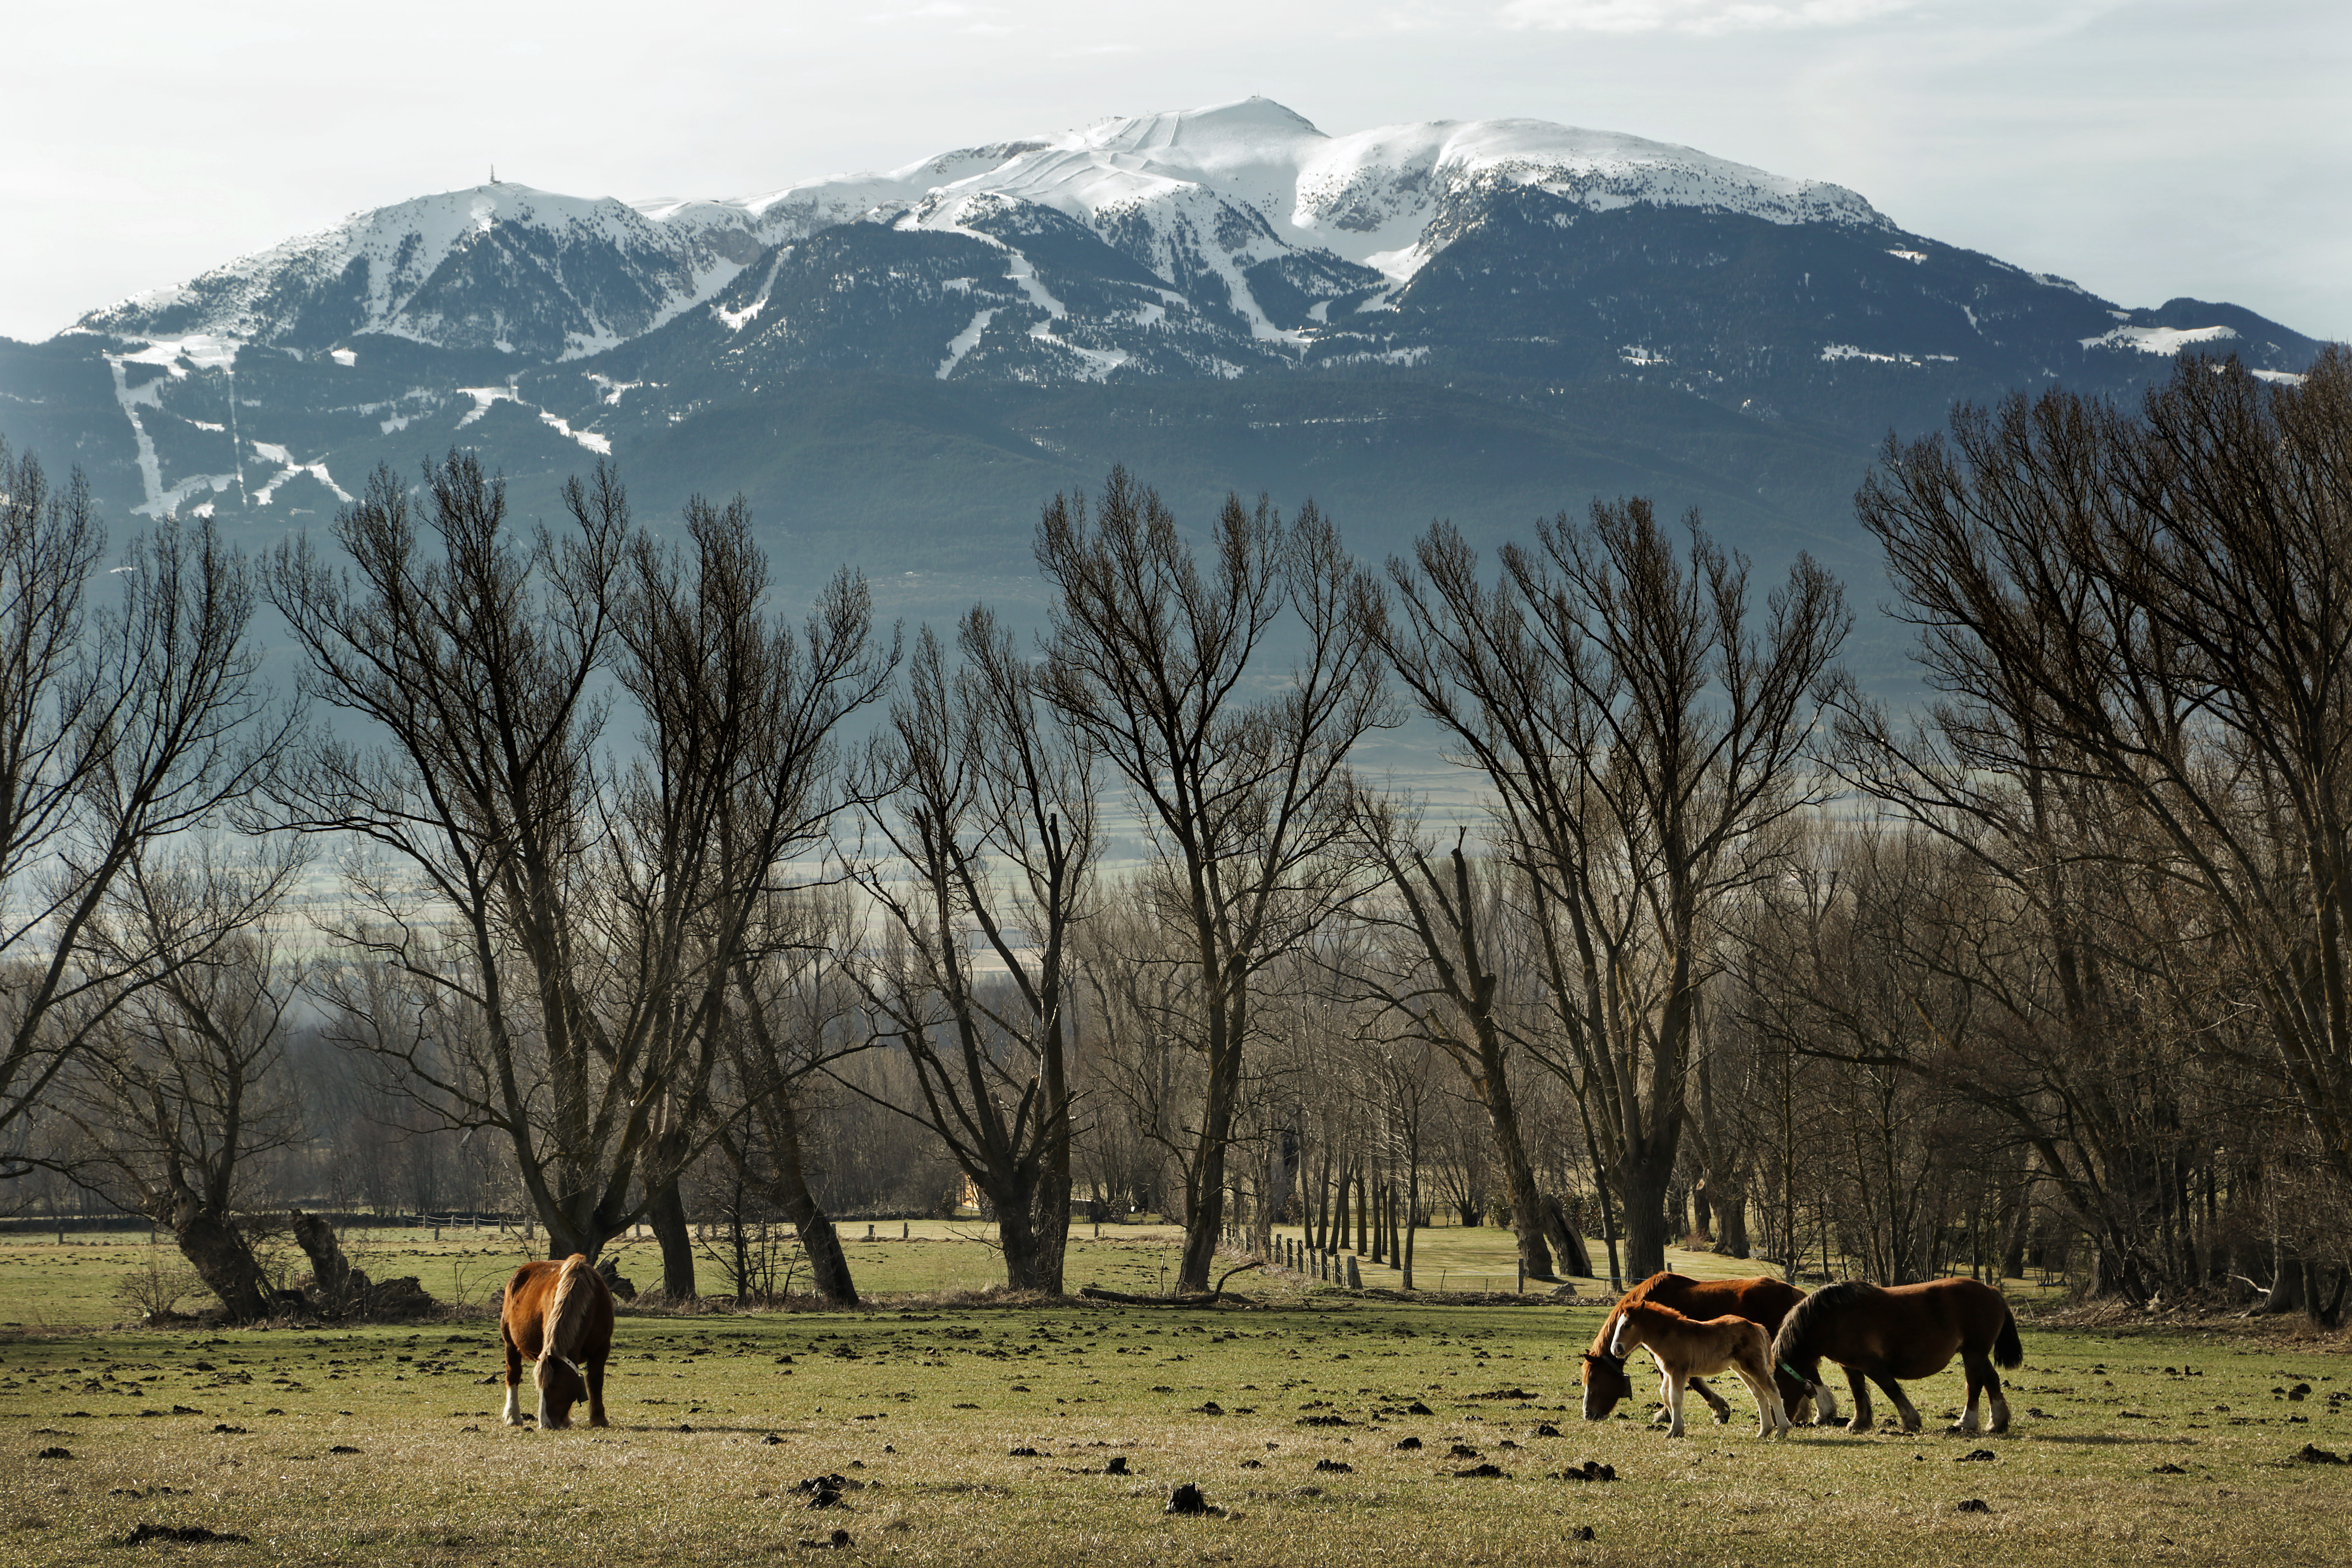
x: 736, y: 781
x: 976, y: 983
x: 1645, y: 743
x: 541, y: 947
x: 181, y: 1092
x: 1151, y: 662
x: 1459, y: 940
x: 120, y: 728
x: 797, y: 1012
x: 2156, y: 611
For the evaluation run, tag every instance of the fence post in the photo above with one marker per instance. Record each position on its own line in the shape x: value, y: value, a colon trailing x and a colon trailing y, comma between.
x: 1355, y: 1275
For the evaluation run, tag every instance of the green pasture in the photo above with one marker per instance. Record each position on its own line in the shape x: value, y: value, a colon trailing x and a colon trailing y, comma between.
x: 84, y: 1282
x: 382, y: 1444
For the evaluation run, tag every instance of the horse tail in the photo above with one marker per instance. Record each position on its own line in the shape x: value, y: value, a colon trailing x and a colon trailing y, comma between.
x: 2007, y: 1349
x: 567, y: 1310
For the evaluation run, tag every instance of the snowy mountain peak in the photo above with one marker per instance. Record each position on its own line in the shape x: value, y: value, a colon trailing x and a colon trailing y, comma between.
x: 1209, y: 192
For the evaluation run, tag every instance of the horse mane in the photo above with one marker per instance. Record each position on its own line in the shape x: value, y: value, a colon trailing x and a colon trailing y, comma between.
x: 1674, y: 1315
x: 1798, y: 1326
x: 1637, y: 1295
x: 567, y: 1310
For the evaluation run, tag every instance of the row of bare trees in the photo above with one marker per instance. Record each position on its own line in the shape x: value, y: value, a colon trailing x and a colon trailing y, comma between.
x: 656, y: 891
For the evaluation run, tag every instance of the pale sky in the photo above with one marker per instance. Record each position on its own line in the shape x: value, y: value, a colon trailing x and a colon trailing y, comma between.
x: 2143, y: 148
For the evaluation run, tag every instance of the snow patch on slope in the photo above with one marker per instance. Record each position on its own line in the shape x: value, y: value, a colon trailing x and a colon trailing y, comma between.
x: 2158, y: 339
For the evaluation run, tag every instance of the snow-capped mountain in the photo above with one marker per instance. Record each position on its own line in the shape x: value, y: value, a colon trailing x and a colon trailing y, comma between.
x: 501, y: 266
x: 1214, y: 192
x: 1284, y: 275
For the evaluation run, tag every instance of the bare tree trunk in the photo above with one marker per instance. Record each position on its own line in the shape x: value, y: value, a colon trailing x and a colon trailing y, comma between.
x: 216, y: 1250
x: 1565, y: 1242
x: 1648, y: 1230
x: 330, y: 1272
x: 1412, y: 1211
x: 665, y: 1212
x: 1731, y: 1220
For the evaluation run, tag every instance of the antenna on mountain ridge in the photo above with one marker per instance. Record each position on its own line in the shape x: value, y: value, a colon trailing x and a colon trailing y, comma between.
x: 494, y: 174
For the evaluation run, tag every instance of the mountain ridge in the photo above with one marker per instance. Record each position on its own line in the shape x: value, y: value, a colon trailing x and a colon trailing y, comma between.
x: 1477, y: 318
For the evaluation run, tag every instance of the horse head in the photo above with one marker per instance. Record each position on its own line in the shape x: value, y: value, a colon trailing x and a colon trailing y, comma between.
x: 1605, y: 1383
x: 1796, y: 1390
x: 561, y: 1385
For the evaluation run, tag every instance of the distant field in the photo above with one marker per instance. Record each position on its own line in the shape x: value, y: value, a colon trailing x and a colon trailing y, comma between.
x: 45, y: 1285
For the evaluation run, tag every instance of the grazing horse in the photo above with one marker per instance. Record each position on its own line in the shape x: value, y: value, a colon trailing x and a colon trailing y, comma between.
x: 1762, y: 1300
x: 559, y: 1316
x: 1888, y: 1333
x: 1688, y: 1347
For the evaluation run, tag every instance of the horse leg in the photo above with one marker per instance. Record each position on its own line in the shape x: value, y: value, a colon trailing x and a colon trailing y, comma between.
x: 1861, y: 1422
x: 1665, y: 1396
x: 1973, y: 1368
x: 1674, y: 1402
x: 1902, y: 1408
x: 1715, y: 1402
x: 1772, y: 1419
x: 514, y: 1376
x: 1981, y: 1376
x: 1825, y: 1405
x: 596, y: 1393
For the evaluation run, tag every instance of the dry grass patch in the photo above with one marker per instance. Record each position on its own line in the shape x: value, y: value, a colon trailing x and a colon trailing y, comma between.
x: 968, y: 1436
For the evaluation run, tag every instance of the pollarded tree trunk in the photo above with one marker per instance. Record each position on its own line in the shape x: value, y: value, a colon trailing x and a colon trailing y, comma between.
x: 217, y: 1251
x: 330, y: 1272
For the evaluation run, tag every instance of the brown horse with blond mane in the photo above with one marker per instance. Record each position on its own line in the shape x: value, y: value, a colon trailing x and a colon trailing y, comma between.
x: 1887, y: 1332
x: 1762, y: 1300
x: 1687, y: 1347
x: 558, y: 1317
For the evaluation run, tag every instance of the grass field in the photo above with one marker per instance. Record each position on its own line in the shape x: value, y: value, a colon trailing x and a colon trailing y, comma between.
x: 377, y: 1444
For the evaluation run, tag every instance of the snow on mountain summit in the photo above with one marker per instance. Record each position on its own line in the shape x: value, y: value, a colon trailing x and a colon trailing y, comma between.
x: 435, y: 269
x: 1368, y: 196
x: 1204, y: 193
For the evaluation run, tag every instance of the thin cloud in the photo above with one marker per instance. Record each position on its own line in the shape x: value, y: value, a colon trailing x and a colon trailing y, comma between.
x: 1692, y: 15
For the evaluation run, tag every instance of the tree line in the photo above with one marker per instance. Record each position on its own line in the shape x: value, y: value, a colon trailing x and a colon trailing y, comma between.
x: 578, y: 877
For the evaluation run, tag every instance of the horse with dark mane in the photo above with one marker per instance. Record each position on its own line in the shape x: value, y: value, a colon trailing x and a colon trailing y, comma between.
x: 1687, y: 1347
x: 1762, y: 1300
x: 1892, y: 1333
x: 558, y: 1317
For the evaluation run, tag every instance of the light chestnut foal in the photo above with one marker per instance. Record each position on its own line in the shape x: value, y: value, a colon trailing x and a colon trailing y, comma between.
x: 1686, y: 1347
